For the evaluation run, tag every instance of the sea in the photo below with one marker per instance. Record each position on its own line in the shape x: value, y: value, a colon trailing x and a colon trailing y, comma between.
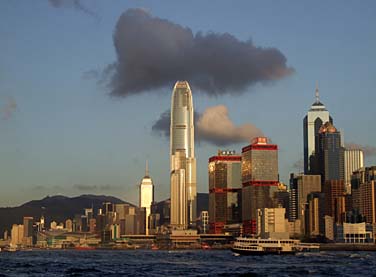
x: 183, y: 263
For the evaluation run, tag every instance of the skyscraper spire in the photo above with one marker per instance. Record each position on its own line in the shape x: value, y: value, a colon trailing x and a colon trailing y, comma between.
x: 317, y: 93
x: 147, y: 168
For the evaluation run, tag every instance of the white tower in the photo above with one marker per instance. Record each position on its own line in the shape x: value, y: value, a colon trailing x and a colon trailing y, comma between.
x: 146, y: 196
x: 312, y: 122
x: 182, y: 158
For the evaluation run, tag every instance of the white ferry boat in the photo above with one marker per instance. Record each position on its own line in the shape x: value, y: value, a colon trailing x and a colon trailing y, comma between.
x: 255, y: 246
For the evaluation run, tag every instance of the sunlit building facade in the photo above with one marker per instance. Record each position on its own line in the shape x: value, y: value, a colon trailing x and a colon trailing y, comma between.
x: 354, y: 160
x: 259, y: 180
x: 146, y: 196
x: 315, y: 118
x: 225, y: 187
x: 182, y: 158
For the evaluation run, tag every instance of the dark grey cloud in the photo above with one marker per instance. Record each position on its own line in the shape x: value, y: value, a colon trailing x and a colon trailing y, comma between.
x: 153, y: 53
x: 299, y: 165
x: 213, y: 126
x: 73, y: 4
x: 368, y: 150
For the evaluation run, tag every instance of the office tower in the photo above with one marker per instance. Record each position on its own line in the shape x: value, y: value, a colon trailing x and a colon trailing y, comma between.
x: 28, y: 226
x: 17, y: 234
x: 259, y: 180
x: 330, y: 153
x: 315, y: 118
x: 335, y: 199
x: 224, y: 190
x: 354, y: 160
x: 281, y: 198
x: 182, y: 158
x: 69, y: 225
x: 364, y: 193
x: 146, y: 196
x: 271, y: 223
x: 315, y: 224
x: 293, y: 198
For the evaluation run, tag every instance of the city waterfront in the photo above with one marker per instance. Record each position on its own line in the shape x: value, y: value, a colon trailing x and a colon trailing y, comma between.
x: 182, y: 263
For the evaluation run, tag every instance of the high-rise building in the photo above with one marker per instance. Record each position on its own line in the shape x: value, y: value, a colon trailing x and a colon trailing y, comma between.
x: 17, y: 235
x: 28, y: 226
x: 182, y: 158
x: 224, y: 190
x: 271, y: 223
x: 330, y: 153
x: 354, y: 160
x: 146, y: 196
x: 335, y: 199
x: 315, y: 223
x: 315, y: 118
x: 259, y: 180
x: 363, y: 193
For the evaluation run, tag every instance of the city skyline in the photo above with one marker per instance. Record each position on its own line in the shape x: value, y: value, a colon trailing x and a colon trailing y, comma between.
x: 62, y: 134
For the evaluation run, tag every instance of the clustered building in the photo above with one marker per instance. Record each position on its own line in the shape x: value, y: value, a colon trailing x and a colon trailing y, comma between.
x: 333, y: 199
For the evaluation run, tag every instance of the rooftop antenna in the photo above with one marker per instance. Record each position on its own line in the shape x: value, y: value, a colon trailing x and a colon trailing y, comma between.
x: 147, y: 168
x: 317, y: 93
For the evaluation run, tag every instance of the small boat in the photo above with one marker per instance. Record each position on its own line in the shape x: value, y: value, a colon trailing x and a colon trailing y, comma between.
x: 256, y: 246
x: 205, y: 246
x: 84, y: 247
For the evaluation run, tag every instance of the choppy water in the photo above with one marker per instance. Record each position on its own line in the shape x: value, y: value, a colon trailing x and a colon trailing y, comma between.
x: 183, y: 263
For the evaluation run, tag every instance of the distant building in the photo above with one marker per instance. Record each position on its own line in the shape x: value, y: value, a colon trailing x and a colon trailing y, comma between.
x: 335, y: 200
x: 259, y: 180
x: 364, y: 193
x: 224, y: 190
x: 315, y: 118
x: 203, y: 225
x: 329, y: 227
x: 17, y: 235
x: 354, y: 160
x: 315, y: 222
x: 330, y: 153
x: 69, y: 225
x: 146, y: 197
x: 271, y: 223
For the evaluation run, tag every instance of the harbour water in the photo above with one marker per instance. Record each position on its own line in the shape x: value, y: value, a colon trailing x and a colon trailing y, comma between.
x: 183, y: 263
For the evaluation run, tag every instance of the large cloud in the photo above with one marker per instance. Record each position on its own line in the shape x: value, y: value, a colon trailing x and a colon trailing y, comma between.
x: 153, y: 53
x: 368, y: 150
x: 213, y: 126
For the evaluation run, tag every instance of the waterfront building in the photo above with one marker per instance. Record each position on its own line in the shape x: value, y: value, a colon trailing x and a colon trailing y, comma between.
x: 146, y: 197
x: 364, y: 193
x: 225, y: 187
x: 357, y: 233
x: 329, y: 227
x: 300, y: 187
x: 315, y: 223
x: 354, y: 160
x: 315, y: 118
x: 17, y: 234
x: 271, y: 223
x: 259, y: 180
x: 28, y: 226
x: 182, y: 158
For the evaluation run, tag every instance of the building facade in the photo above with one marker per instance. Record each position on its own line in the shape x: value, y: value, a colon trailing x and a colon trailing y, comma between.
x: 182, y: 158
x: 259, y: 180
x: 315, y: 118
x: 225, y: 187
x: 354, y: 160
x: 146, y: 197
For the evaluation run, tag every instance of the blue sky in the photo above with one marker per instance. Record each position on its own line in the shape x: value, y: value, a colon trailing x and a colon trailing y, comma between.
x: 61, y: 133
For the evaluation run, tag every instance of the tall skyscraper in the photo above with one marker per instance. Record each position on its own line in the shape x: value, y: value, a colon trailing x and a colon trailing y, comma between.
x: 182, y: 158
x: 312, y: 122
x: 224, y: 190
x: 354, y: 160
x: 146, y: 196
x: 259, y: 180
x: 330, y: 153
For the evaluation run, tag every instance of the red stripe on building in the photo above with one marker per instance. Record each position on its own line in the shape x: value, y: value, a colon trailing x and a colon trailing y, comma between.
x: 260, y: 183
x: 224, y: 190
x: 225, y: 158
x: 266, y: 147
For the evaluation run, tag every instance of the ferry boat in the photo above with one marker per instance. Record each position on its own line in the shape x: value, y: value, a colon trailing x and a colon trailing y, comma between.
x: 256, y: 246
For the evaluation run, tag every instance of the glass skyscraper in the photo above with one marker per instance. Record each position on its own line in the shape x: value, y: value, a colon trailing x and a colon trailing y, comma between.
x: 182, y: 158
